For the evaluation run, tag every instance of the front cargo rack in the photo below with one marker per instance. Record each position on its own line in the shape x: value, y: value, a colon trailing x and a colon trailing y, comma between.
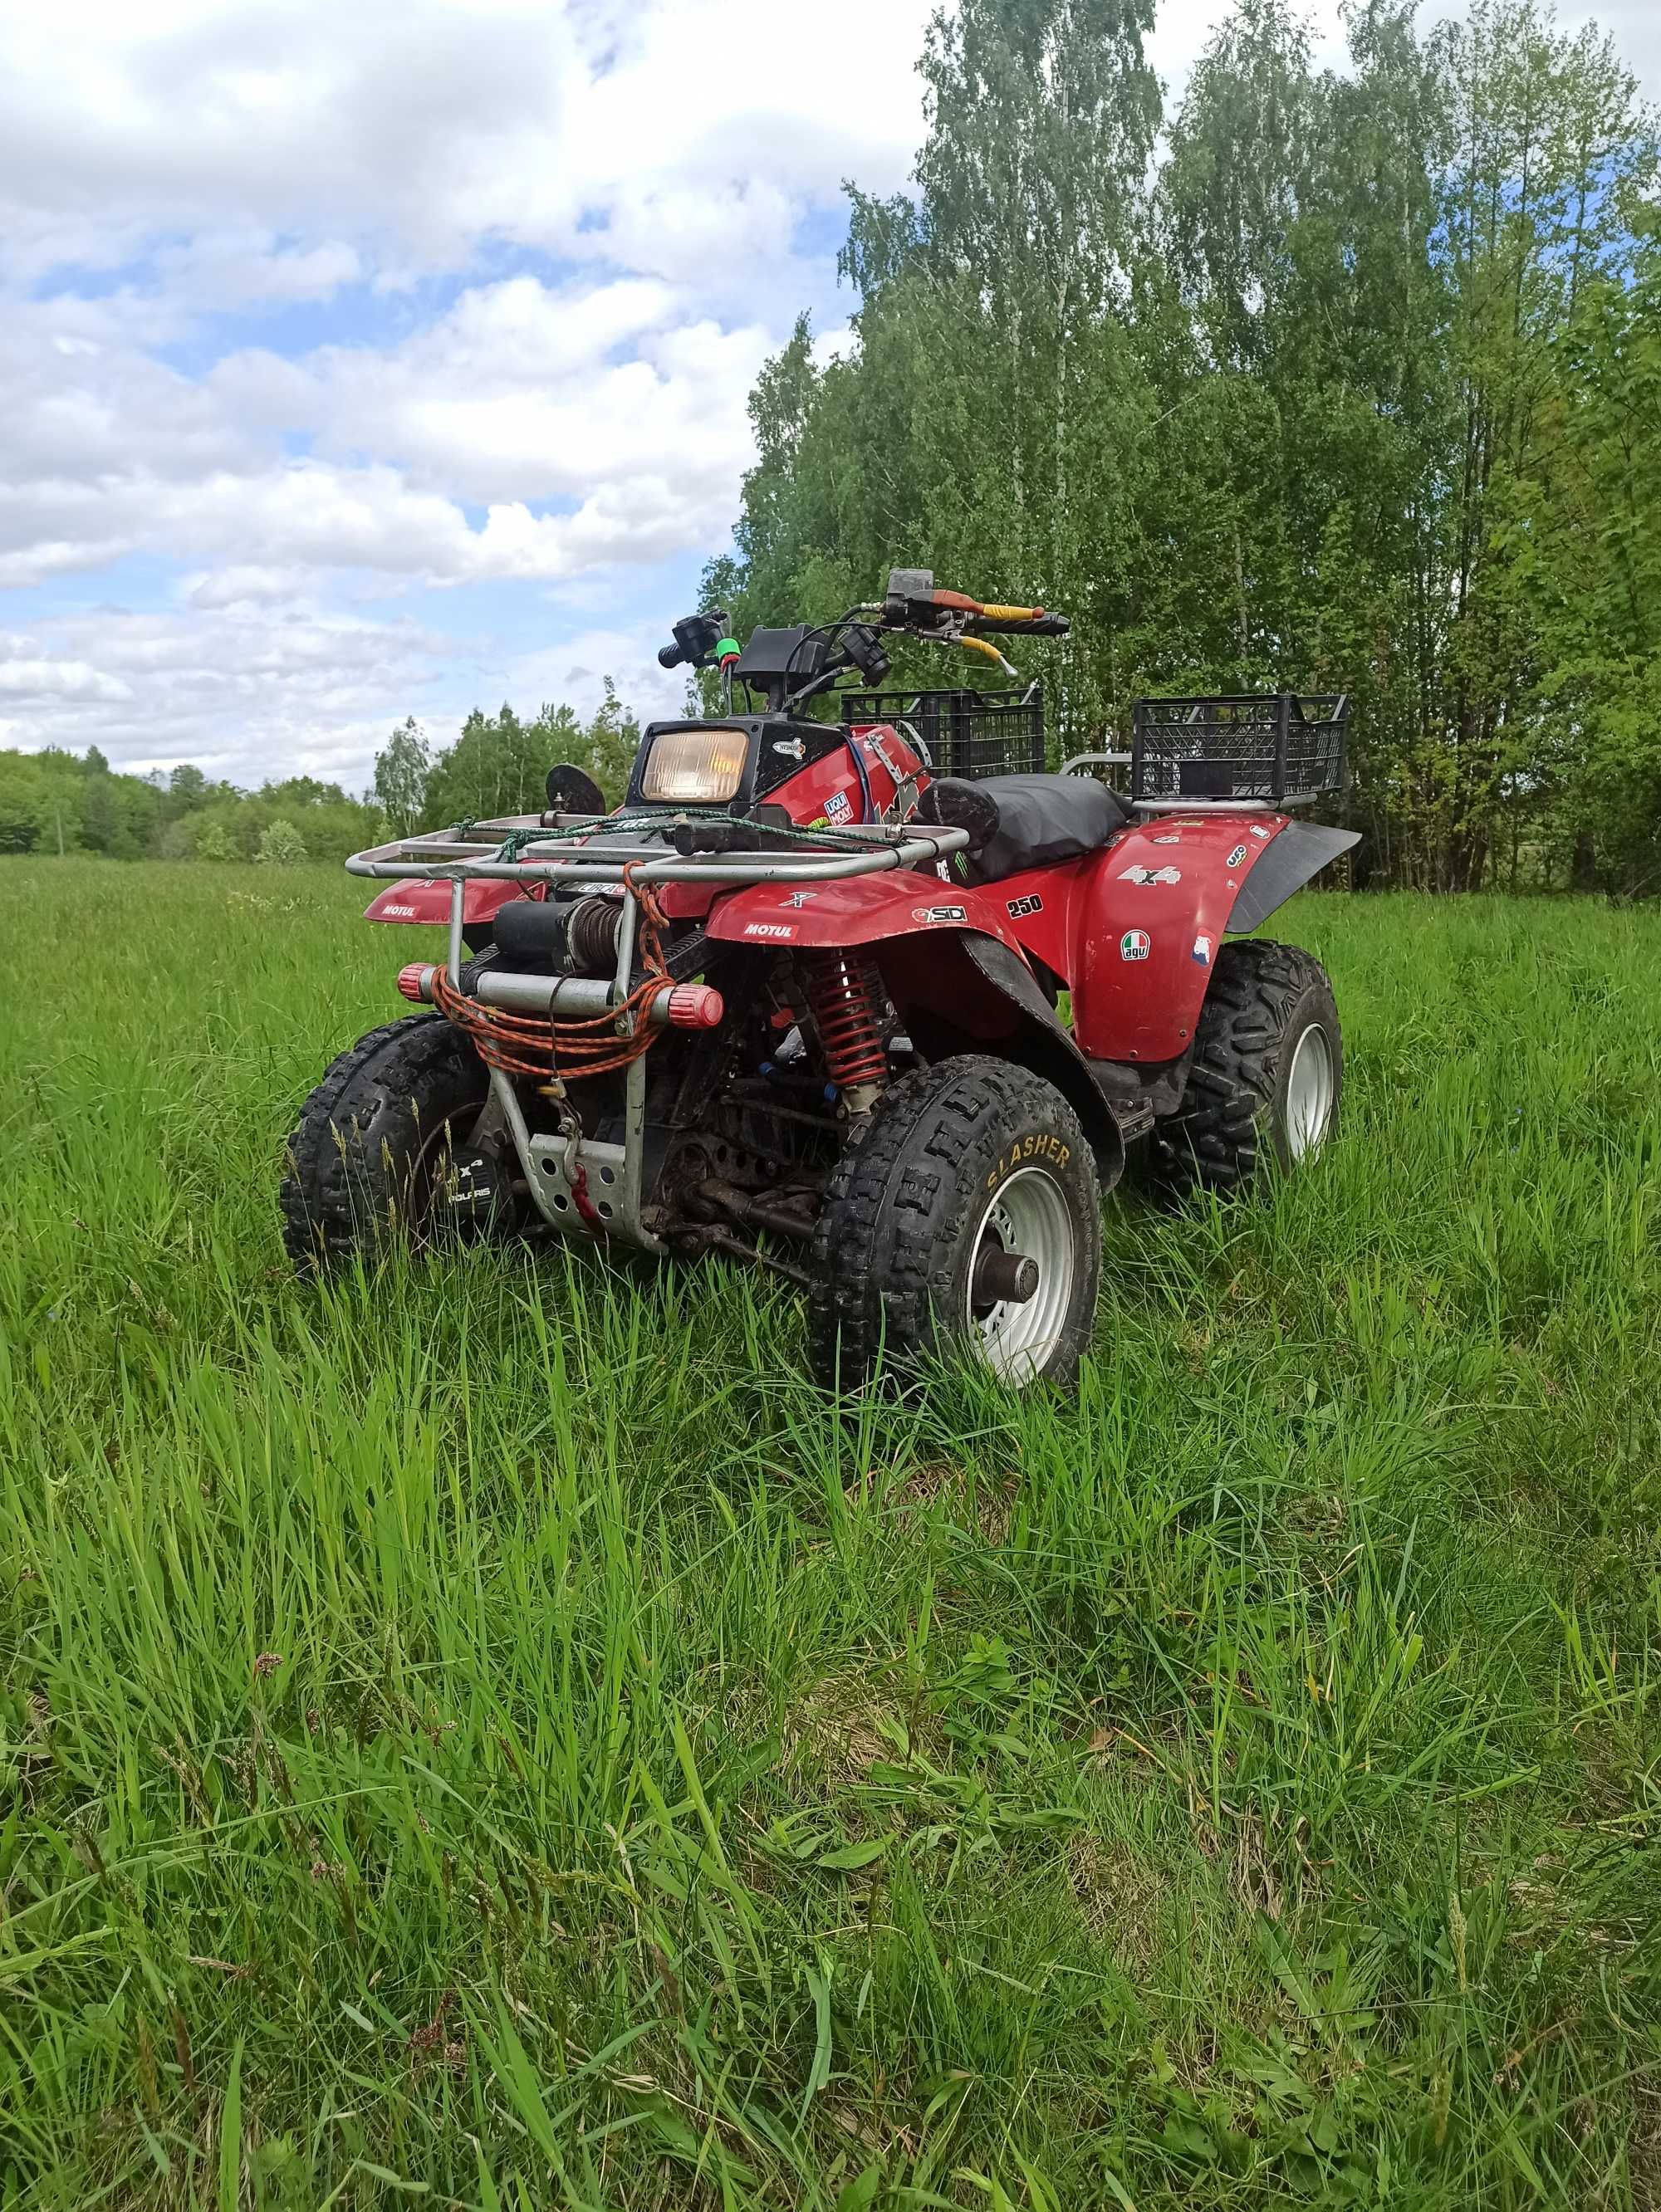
x: 1279, y: 748
x: 965, y: 733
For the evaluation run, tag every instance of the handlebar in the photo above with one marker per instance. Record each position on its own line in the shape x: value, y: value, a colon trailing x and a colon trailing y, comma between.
x: 913, y: 601
x: 1030, y: 621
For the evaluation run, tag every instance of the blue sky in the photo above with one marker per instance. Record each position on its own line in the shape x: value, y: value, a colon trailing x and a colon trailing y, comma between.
x: 362, y: 362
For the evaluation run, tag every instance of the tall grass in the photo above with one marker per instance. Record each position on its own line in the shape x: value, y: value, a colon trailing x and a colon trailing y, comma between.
x: 487, y: 1730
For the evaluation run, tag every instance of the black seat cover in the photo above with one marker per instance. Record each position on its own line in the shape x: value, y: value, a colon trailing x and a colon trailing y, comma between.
x: 1017, y: 822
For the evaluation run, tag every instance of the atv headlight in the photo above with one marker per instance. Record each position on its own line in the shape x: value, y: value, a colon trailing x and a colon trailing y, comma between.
x: 704, y: 766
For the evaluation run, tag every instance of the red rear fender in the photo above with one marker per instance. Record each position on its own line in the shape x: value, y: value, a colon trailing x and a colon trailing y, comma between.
x: 1147, y: 917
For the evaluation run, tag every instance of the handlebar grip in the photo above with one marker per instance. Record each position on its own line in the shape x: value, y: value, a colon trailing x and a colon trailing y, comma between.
x: 1028, y: 621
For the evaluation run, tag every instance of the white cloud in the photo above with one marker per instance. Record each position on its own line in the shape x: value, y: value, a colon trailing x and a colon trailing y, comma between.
x: 52, y: 680
x: 245, y: 692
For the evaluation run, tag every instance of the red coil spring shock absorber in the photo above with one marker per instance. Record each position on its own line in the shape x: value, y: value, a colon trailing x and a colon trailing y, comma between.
x: 845, y: 996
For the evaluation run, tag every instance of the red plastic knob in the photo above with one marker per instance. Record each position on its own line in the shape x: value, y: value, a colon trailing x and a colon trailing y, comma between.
x: 414, y: 982
x: 696, y: 1007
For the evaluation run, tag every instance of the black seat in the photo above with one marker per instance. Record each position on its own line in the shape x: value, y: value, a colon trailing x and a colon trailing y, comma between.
x: 1017, y: 822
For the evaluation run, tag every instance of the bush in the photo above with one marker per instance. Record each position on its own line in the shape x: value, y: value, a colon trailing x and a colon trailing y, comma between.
x: 280, y: 844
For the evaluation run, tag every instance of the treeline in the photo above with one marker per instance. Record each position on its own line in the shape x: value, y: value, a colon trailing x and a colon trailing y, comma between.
x: 1332, y: 381
x: 56, y: 802
x: 61, y: 802
x: 500, y: 764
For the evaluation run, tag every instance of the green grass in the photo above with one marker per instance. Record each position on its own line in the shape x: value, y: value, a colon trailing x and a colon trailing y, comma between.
x: 490, y: 1732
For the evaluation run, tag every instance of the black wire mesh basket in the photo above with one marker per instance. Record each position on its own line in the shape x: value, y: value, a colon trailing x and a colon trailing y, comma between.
x: 967, y: 733
x: 1279, y: 747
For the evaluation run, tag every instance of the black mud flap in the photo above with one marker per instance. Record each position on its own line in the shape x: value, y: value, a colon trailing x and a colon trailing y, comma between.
x: 1301, y: 850
x: 1046, y: 1048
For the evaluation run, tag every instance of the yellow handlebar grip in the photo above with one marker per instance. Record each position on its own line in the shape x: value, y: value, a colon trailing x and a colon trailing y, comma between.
x: 1012, y: 614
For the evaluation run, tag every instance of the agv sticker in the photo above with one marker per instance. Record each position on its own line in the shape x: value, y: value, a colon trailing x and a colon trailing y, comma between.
x: 1135, y: 945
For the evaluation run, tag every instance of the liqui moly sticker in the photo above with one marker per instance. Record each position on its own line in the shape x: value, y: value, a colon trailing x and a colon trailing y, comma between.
x: 1235, y: 857
x: 1202, y: 951
x: 1135, y: 945
x: 1140, y: 875
x: 837, y: 806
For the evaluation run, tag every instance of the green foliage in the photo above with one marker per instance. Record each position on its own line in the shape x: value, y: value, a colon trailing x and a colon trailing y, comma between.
x: 401, y: 770
x: 484, y: 1732
x: 499, y: 764
x: 1330, y: 395
x: 281, y: 844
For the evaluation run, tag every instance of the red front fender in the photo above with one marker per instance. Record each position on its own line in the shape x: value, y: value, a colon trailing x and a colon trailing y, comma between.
x: 859, y: 910
x: 418, y: 899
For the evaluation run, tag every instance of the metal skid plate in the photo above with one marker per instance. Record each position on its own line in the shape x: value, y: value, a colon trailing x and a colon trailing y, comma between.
x: 564, y: 1176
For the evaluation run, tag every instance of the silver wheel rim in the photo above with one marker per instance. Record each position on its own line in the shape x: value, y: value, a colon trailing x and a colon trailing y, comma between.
x: 1029, y: 1214
x: 1309, y: 1091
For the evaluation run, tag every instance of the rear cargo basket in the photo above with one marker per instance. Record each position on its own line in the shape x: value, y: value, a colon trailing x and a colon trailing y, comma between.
x: 1280, y: 747
x: 967, y: 733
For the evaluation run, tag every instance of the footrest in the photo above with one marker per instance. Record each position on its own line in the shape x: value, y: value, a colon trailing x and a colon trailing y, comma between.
x: 1134, y: 1115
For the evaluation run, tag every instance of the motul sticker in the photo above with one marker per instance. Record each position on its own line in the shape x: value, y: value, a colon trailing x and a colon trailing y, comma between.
x: 1015, y: 909
x: 1140, y: 875
x: 398, y: 909
x: 785, y: 929
x: 1135, y: 945
x: 939, y: 913
x: 837, y: 806
x: 1202, y: 951
x: 1235, y: 857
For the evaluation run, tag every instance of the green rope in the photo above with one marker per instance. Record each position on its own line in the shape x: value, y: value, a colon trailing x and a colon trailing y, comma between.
x: 823, y: 836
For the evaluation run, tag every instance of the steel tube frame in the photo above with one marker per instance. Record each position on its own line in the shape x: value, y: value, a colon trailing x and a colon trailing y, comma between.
x: 651, y: 865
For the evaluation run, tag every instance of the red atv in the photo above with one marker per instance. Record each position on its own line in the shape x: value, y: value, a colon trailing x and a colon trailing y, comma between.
x: 798, y: 1001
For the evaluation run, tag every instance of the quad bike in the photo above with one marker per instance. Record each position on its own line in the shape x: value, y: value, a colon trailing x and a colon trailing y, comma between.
x: 797, y: 1001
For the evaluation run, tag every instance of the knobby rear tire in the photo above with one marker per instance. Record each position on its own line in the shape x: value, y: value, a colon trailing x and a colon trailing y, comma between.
x: 1232, y: 1128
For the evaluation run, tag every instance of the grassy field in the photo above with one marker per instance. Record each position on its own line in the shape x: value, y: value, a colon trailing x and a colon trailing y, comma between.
x: 490, y: 1733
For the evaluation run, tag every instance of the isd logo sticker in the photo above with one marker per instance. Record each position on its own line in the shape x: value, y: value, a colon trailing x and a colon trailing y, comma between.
x: 1135, y: 945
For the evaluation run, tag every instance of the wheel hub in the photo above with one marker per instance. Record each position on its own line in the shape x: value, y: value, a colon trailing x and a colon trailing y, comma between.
x: 1021, y: 1274
x: 1310, y: 1090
